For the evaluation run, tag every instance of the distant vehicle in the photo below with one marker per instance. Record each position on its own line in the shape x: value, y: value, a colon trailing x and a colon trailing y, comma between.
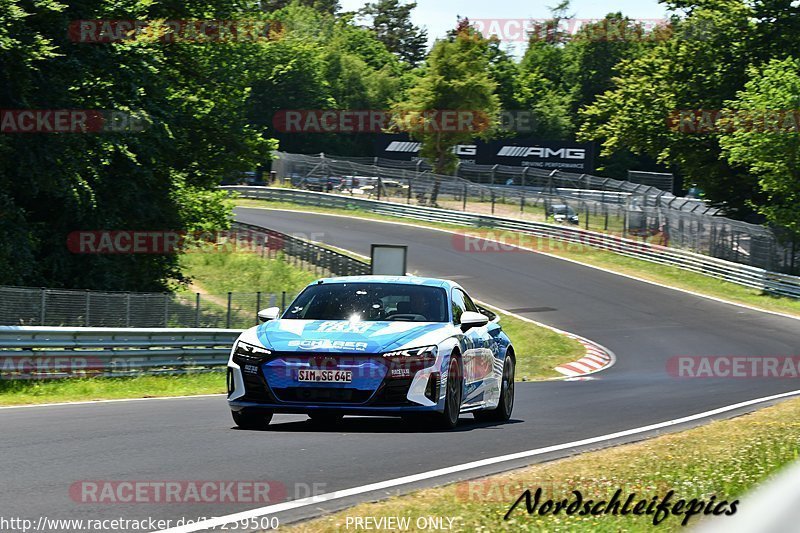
x: 251, y: 178
x: 321, y: 184
x: 374, y: 345
x: 562, y: 213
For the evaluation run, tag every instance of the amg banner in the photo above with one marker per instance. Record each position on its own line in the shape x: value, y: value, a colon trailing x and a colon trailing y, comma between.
x: 549, y: 155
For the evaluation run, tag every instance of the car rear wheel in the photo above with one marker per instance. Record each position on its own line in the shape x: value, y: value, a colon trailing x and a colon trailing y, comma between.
x: 246, y: 420
x: 503, y: 410
x: 453, y: 396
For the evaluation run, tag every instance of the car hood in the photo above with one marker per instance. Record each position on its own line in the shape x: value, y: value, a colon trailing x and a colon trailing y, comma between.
x: 352, y: 337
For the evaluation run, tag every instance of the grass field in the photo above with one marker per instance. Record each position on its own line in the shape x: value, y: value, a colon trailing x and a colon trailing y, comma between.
x: 74, y: 390
x: 646, y: 270
x: 723, y: 459
x: 222, y: 272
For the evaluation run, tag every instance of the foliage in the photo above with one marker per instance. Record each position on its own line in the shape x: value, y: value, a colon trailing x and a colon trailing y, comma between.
x: 390, y: 20
x: 456, y: 77
x: 764, y: 138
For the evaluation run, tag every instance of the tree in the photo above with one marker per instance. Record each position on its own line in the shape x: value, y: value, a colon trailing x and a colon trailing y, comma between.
x: 682, y: 73
x: 191, y: 96
x: 322, y: 62
x: 390, y: 20
x: 762, y: 135
x: 325, y: 6
x: 456, y: 78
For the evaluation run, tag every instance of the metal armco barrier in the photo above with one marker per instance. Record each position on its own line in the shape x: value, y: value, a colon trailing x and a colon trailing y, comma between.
x: 326, y: 259
x: 30, y: 352
x: 748, y: 276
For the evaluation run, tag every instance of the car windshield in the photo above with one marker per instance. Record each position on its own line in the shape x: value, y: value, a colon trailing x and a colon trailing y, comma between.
x: 370, y: 302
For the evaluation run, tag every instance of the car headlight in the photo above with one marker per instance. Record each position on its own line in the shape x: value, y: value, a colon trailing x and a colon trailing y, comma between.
x: 425, y: 351
x: 249, y: 353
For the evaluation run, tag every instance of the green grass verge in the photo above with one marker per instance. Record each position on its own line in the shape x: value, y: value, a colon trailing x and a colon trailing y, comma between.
x: 663, y: 274
x: 725, y: 459
x: 539, y: 350
x: 73, y: 390
x: 221, y: 272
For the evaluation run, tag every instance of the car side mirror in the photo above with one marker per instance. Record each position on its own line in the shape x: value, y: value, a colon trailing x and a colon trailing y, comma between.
x: 471, y: 319
x: 269, y: 314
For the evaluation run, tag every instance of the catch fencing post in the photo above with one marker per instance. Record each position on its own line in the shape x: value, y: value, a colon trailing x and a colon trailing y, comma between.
x: 197, y: 310
x: 283, y: 301
x: 127, y: 310
x: 258, y: 305
x: 228, y: 316
x: 465, y: 196
x: 586, y: 208
x: 166, y: 309
x: 44, y: 306
x: 86, y: 317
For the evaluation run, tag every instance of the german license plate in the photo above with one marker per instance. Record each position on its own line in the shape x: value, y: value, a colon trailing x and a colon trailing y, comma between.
x: 324, y: 376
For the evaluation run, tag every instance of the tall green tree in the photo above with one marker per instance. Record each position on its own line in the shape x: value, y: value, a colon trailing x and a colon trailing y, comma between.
x: 325, y: 6
x: 455, y: 78
x: 192, y: 97
x: 682, y: 72
x: 390, y: 20
x: 762, y: 136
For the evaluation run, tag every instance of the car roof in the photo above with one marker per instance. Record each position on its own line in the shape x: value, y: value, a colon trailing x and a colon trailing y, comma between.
x: 404, y: 280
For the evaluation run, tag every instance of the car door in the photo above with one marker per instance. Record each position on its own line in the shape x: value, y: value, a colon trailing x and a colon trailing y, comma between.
x: 478, y: 356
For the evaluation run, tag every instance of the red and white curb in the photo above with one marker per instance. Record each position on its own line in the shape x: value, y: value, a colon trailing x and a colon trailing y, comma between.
x: 597, y: 358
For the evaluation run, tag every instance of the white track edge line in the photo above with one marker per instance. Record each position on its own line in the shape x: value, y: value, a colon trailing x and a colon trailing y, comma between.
x: 336, y: 495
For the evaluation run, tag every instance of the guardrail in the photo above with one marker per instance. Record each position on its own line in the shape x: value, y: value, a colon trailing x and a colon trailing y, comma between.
x: 758, y: 278
x: 328, y: 260
x: 32, y: 352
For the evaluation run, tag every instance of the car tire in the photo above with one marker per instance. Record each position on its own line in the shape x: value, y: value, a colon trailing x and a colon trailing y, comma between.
x: 448, y: 419
x: 502, y: 412
x: 258, y: 420
x: 324, y: 419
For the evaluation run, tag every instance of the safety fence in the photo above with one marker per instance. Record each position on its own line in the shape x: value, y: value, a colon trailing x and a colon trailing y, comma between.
x: 596, y: 204
x: 29, y: 306
x: 741, y: 274
x: 58, y: 352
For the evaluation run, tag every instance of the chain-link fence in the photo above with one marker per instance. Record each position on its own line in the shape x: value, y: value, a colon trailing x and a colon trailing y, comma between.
x: 26, y: 306
x: 626, y: 209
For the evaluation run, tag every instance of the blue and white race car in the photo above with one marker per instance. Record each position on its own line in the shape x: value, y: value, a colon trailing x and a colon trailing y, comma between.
x: 398, y: 346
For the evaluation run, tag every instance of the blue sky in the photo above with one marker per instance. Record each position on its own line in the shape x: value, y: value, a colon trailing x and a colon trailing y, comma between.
x: 438, y: 16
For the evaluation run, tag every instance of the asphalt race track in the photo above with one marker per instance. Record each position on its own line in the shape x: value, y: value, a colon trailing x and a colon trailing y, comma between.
x: 46, y: 449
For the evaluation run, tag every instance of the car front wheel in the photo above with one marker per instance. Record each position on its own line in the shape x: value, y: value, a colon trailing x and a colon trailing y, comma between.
x: 245, y: 420
x: 452, y: 402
